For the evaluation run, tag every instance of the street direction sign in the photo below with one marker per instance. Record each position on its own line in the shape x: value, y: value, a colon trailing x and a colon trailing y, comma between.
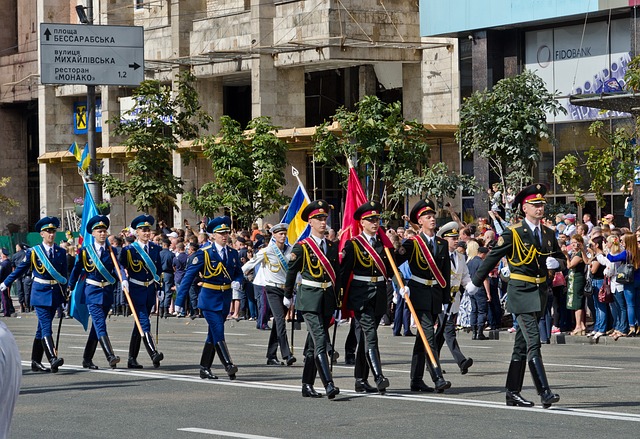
x: 91, y: 55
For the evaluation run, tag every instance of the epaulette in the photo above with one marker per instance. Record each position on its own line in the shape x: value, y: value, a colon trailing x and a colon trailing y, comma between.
x: 515, y: 226
x: 206, y: 247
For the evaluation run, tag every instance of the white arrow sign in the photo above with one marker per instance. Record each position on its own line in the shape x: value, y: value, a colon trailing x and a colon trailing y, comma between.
x: 91, y: 55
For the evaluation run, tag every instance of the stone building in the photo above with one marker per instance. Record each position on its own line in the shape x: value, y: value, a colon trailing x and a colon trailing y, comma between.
x: 295, y: 61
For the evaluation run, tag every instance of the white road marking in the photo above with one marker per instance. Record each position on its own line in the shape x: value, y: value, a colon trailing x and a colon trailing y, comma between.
x: 391, y: 396
x: 583, y: 367
x: 225, y: 433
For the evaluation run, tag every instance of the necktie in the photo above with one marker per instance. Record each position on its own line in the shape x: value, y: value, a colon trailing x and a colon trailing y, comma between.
x: 224, y: 255
x: 51, y: 253
x: 100, y: 252
x: 430, y: 244
x: 373, y: 242
x: 536, y: 234
x: 453, y: 259
x: 323, y: 246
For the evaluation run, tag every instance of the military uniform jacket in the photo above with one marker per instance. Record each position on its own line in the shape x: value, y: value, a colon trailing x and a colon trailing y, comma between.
x: 273, y: 272
x: 523, y: 296
x: 215, y: 274
x: 138, y: 271
x: 423, y: 297
x: 42, y: 294
x: 459, y: 279
x: 94, y: 294
x: 357, y: 261
x: 305, y: 262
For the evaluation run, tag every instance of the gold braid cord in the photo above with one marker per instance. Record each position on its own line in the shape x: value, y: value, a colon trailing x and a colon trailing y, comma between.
x: 135, y: 266
x: 421, y: 261
x: 34, y: 261
x: 88, y: 266
x: 365, y: 260
x: 213, y: 272
x: 525, y: 253
x: 274, y: 268
x: 307, y: 260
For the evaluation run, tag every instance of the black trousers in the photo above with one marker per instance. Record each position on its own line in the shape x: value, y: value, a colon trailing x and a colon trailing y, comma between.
x: 527, y: 343
x: 426, y: 319
x: 447, y: 332
x: 318, y: 336
x: 278, y: 335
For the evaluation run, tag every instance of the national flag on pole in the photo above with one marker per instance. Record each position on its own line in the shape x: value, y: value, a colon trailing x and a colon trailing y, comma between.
x: 77, y: 309
x: 298, y: 229
x: 355, y: 199
x: 85, y: 158
x: 74, y: 149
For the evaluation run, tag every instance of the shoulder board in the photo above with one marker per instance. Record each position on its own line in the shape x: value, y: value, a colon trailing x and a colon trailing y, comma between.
x: 515, y: 226
x: 206, y: 247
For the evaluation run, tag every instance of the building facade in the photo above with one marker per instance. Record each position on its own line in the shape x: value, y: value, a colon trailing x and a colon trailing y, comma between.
x: 576, y: 47
x: 295, y: 61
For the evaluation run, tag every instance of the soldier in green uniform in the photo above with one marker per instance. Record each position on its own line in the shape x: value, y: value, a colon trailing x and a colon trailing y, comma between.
x: 526, y: 246
x: 316, y: 258
x: 430, y: 265
x: 364, y: 258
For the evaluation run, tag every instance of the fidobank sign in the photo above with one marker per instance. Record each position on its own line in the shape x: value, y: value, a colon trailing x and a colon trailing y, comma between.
x: 91, y: 55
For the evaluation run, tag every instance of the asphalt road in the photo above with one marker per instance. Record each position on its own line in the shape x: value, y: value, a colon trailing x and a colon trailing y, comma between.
x: 598, y: 385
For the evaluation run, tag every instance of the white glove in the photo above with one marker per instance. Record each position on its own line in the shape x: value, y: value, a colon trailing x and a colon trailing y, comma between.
x: 125, y: 285
x: 3, y: 286
x: 395, y: 299
x: 287, y: 302
x: 160, y: 294
x: 178, y: 309
x: 404, y: 292
x: 471, y: 289
x: 235, y: 285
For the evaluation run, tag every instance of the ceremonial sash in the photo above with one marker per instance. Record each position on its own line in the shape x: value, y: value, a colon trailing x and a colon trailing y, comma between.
x: 322, y: 258
x: 99, y: 265
x: 46, y: 263
x: 280, y: 256
x: 432, y: 264
x: 147, y: 260
x: 374, y: 254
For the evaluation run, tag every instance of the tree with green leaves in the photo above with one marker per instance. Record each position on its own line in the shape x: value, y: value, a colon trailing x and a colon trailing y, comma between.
x: 386, y: 150
x: 248, y: 171
x: 505, y: 124
x: 152, y: 130
x: 6, y: 203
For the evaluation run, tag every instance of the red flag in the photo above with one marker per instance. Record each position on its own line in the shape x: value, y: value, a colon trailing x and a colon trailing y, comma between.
x: 355, y: 198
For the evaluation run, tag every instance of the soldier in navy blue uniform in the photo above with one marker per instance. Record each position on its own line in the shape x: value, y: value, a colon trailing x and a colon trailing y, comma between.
x: 100, y: 277
x: 141, y: 259
x: 222, y: 272
x: 49, y: 264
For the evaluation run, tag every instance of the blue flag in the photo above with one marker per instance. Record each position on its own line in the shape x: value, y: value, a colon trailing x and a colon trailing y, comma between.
x: 77, y: 309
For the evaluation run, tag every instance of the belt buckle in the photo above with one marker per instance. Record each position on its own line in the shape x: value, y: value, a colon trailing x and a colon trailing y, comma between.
x: 325, y: 285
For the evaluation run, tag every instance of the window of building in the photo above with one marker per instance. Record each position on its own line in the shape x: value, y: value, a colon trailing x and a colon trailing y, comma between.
x: 139, y: 4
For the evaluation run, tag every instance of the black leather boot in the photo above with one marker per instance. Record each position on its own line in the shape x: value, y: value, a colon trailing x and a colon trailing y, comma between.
x: 134, y: 349
x: 322, y: 363
x: 50, y: 351
x: 481, y: 335
x: 37, y: 351
x: 225, y: 358
x: 362, y: 385
x: 373, y: 357
x: 309, y: 378
x: 542, y: 385
x: 438, y: 380
x: 208, y: 353
x: 515, y: 377
x: 89, y: 351
x: 112, y: 358
x: 475, y: 333
x: 154, y: 354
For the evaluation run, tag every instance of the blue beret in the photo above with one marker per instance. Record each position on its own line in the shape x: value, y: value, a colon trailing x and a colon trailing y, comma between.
x: 48, y: 222
x: 98, y: 221
x: 221, y: 224
x: 5, y: 251
x: 143, y: 220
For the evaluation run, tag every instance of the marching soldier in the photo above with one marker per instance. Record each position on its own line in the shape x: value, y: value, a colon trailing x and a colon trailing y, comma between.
x: 430, y: 266
x: 526, y: 246
x: 363, y: 257
x: 142, y: 261
x: 221, y: 272
x: 95, y: 265
x: 316, y: 259
x: 49, y: 264
x: 459, y: 278
x: 275, y: 263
